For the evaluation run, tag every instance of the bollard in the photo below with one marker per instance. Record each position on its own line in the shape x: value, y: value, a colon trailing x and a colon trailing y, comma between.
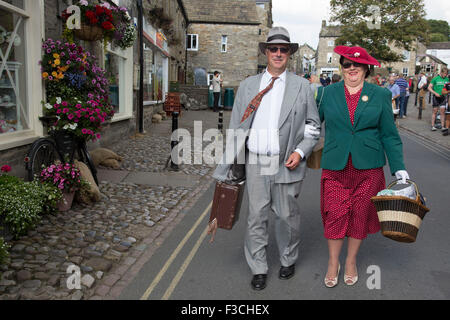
x: 420, y: 107
x: 220, y: 123
x: 174, y: 166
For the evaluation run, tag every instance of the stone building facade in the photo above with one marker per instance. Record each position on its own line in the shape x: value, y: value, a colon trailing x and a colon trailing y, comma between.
x: 222, y: 35
x: 303, y: 61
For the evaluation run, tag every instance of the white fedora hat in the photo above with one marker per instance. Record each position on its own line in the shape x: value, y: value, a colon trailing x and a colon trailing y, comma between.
x: 278, y: 35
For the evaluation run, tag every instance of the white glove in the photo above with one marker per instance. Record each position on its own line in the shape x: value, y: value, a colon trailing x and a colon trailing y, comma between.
x: 402, y: 175
x: 311, y: 132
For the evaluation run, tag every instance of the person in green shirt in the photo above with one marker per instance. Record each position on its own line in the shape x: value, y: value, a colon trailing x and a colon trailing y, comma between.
x: 439, y: 101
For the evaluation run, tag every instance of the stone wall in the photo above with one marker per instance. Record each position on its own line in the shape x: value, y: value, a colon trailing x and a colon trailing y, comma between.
x: 241, y: 58
x: 199, y: 93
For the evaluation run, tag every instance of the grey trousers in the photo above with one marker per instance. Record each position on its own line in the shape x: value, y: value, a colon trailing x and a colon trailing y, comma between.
x: 266, y: 196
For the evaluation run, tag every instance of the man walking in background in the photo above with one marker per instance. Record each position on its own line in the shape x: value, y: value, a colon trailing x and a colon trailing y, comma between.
x: 401, y: 82
x: 217, y: 85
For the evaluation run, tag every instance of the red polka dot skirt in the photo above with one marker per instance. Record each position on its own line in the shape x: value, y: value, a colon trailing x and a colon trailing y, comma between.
x: 345, y: 195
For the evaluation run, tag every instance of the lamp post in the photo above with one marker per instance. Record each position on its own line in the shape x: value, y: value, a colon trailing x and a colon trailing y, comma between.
x: 140, y: 110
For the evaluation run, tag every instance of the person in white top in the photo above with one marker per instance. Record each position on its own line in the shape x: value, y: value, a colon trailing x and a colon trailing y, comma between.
x: 283, y: 129
x: 217, y: 85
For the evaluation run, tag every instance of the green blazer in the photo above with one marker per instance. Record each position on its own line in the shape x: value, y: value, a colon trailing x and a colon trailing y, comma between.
x: 372, y: 135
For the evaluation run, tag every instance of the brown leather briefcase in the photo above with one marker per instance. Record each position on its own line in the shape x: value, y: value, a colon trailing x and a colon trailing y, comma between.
x: 226, y: 206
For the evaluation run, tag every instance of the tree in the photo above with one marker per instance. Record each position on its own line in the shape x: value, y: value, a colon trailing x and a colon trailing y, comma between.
x: 394, y: 22
x: 439, y: 29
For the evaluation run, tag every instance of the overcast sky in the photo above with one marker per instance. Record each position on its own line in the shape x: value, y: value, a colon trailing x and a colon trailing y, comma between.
x: 303, y: 18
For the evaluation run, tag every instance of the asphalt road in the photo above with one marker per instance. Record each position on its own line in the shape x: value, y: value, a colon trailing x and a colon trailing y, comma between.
x: 188, y: 267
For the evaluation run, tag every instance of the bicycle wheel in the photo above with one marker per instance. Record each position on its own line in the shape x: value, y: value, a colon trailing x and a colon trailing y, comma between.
x: 43, y: 152
x: 85, y: 157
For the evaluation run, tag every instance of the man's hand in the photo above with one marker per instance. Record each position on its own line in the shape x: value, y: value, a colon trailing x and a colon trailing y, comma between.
x: 293, y: 161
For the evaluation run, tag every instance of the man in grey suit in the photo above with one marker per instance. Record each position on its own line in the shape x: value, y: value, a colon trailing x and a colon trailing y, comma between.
x: 282, y: 130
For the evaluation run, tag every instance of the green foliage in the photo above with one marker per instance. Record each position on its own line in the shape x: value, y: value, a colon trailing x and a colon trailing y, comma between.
x: 22, y: 203
x: 402, y: 23
x: 4, y: 254
x: 439, y: 29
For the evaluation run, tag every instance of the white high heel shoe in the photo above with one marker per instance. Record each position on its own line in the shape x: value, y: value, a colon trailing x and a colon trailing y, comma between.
x: 349, y: 280
x: 332, y: 282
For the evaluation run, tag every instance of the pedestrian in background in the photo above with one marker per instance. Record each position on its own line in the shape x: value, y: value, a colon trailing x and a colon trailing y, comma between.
x: 401, y: 82
x: 217, y: 85
x: 439, y: 100
x: 395, y: 90
x: 335, y: 78
x: 282, y: 119
x: 422, y: 87
x: 359, y: 132
x: 315, y: 84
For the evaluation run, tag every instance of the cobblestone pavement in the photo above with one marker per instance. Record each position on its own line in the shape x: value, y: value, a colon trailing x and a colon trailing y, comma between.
x: 112, y: 239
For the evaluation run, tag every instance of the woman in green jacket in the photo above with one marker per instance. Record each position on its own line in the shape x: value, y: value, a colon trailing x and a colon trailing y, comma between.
x: 359, y: 132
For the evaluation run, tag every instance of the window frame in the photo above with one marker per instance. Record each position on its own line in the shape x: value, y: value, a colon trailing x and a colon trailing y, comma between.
x: 224, y: 44
x: 189, y: 46
x: 33, y: 22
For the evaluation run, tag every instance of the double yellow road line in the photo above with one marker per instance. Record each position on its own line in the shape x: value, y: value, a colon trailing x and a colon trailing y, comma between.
x: 173, y: 256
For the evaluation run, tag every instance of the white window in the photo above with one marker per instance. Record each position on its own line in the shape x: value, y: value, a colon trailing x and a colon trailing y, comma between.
x: 119, y: 71
x: 331, y: 43
x: 329, y: 57
x: 20, y: 78
x: 224, y: 45
x: 260, y: 4
x: 405, y: 72
x: 406, y: 55
x: 192, y: 42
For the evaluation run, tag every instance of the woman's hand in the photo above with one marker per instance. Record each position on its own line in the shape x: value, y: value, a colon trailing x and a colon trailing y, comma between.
x: 402, y: 175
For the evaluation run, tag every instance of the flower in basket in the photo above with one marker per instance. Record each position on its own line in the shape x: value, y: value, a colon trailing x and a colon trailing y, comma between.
x: 65, y: 176
x: 77, y: 94
x: 113, y: 21
x: 84, y: 119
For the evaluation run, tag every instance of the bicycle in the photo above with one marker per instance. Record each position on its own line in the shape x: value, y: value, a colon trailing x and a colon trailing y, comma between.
x: 57, y: 146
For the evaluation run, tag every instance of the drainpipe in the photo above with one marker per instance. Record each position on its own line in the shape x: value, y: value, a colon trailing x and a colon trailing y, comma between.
x: 140, y: 110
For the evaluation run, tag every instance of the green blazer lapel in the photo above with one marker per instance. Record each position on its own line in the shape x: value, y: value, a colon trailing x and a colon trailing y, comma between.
x: 341, y: 102
x: 290, y: 94
x: 367, y: 95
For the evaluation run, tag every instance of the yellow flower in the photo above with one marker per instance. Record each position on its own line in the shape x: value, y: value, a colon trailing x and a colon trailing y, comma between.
x: 54, y: 74
x: 57, y: 62
x: 56, y: 56
x: 60, y: 76
x: 45, y: 75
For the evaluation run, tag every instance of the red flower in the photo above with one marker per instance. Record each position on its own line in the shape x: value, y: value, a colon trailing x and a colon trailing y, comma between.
x: 99, y: 10
x: 6, y: 168
x: 107, y: 25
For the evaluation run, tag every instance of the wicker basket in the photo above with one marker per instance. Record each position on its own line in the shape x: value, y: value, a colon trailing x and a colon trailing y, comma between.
x: 89, y: 33
x: 400, y: 217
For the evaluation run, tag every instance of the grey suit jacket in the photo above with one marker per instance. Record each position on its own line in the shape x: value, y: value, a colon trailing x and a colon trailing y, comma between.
x: 298, y: 108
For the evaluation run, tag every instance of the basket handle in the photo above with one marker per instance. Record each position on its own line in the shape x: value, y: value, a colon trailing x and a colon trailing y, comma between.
x: 410, y: 182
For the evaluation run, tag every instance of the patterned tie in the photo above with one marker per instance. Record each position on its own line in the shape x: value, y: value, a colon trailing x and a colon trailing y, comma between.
x: 254, y: 104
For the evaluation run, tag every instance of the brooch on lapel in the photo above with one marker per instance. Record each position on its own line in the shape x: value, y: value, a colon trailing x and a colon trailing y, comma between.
x: 365, y: 98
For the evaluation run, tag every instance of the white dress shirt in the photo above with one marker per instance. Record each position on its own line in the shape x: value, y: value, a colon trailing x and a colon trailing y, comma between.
x: 264, y: 138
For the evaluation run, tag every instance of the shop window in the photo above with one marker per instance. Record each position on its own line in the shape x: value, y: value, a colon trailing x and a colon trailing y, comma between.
x: 119, y: 72
x: 405, y: 72
x: 154, y: 75
x: 14, y: 115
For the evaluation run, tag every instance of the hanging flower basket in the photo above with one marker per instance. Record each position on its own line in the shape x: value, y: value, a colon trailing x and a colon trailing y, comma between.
x: 89, y: 33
